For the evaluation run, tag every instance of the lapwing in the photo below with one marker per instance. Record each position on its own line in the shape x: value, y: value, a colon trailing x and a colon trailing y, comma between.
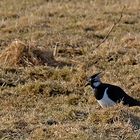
x: 108, y: 95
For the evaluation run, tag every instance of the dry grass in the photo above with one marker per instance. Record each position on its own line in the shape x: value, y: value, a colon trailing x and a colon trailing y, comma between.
x: 42, y: 96
x: 20, y: 54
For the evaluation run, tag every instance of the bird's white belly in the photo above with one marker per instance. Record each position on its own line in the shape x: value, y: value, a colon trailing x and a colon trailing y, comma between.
x: 105, y: 101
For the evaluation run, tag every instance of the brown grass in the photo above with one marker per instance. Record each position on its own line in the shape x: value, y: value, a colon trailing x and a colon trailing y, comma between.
x: 42, y: 95
x: 20, y: 54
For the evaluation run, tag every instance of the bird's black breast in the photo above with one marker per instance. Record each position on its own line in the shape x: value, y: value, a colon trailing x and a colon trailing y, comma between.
x: 99, y: 91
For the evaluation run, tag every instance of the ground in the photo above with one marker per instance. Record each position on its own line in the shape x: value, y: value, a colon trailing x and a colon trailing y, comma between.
x: 46, y: 99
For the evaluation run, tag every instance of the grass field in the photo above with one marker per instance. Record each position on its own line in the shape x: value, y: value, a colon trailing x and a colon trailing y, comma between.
x: 43, y: 72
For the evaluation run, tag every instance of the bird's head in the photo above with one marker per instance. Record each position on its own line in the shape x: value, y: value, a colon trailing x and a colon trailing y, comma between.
x: 94, y: 81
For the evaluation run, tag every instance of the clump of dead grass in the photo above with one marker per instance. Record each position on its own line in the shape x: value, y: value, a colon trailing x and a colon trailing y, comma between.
x: 20, y: 54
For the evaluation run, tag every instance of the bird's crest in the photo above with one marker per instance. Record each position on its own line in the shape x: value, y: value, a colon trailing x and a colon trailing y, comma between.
x: 95, y: 75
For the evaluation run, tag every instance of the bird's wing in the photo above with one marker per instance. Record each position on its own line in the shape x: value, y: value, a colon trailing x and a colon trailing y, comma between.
x: 118, y: 94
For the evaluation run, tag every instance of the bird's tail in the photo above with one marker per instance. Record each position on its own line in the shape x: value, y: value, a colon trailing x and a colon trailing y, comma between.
x: 138, y: 103
x: 135, y: 103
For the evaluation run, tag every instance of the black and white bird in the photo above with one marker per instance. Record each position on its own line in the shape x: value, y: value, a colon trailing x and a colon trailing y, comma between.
x: 108, y: 95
